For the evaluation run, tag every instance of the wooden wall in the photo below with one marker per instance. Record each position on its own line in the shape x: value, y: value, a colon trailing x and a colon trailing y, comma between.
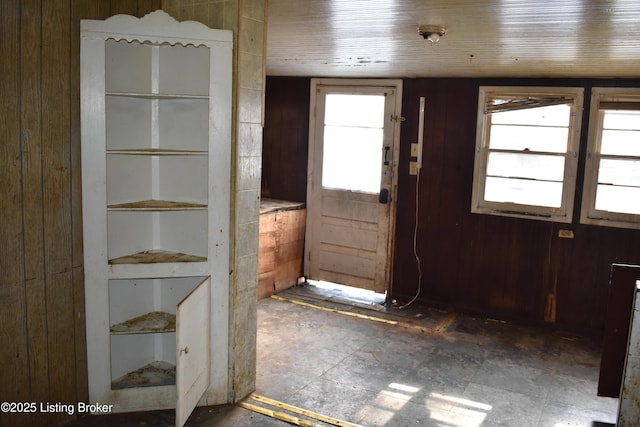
x: 286, y: 132
x: 501, y: 267
x: 42, y: 335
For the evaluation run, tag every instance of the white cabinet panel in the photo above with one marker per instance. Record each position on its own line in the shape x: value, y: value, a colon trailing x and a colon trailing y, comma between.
x: 128, y: 66
x: 176, y: 78
x: 193, y: 351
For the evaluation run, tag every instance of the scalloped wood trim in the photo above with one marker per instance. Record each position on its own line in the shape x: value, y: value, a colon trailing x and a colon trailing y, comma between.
x: 147, y: 28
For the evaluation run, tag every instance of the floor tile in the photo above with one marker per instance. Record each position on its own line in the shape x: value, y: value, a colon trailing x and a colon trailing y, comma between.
x: 560, y: 415
x: 499, y: 406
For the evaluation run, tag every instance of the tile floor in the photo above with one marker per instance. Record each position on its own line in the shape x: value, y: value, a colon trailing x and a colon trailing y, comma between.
x: 430, y: 369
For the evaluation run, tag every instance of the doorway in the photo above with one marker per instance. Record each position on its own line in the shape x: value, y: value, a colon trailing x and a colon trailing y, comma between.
x: 351, y: 186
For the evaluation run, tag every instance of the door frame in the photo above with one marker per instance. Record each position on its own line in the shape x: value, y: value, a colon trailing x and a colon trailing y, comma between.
x: 396, y: 85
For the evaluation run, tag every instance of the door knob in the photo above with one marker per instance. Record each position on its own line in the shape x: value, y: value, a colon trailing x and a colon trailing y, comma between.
x: 384, y: 196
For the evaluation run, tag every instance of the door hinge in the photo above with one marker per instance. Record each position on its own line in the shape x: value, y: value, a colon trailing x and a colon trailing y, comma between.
x: 397, y: 119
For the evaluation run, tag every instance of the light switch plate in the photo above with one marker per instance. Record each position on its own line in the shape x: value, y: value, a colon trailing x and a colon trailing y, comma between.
x: 414, y: 150
x: 413, y: 168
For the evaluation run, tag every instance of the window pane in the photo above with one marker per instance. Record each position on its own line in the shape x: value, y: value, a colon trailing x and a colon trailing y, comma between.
x: 352, y: 158
x: 555, y: 115
x: 352, y: 147
x: 621, y: 119
x: 620, y: 142
x: 618, y: 199
x: 523, y: 191
x: 621, y: 133
x: 354, y: 110
x: 532, y: 166
x: 619, y: 172
x: 546, y: 139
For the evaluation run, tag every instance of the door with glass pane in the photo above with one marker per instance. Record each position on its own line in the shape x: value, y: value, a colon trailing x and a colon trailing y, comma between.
x: 350, y: 184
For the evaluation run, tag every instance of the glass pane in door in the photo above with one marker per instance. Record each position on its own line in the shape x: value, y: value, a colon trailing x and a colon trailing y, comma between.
x: 353, y: 142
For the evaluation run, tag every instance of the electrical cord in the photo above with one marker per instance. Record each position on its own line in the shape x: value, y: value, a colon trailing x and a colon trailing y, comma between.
x: 415, y: 249
x: 418, y: 167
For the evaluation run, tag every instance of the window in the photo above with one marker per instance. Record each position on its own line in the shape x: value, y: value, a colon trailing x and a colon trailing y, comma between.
x: 353, y: 129
x: 612, y: 174
x: 527, y: 152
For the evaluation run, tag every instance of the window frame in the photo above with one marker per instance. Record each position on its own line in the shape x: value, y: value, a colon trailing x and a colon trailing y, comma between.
x: 564, y: 213
x: 589, y: 214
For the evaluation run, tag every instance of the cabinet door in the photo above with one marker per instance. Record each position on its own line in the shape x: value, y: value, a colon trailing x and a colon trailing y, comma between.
x: 192, y: 353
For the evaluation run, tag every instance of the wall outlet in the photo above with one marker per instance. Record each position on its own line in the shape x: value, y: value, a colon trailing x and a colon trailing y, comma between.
x: 565, y: 234
x: 414, y: 150
x: 413, y: 168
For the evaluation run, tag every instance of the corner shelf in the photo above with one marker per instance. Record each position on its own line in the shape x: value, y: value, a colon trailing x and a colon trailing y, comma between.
x: 157, y: 152
x: 155, y: 321
x: 156, y: 108
x: 154, y: 374
x: 156, y: 205
x: 154, y: 256
x: 150, y: 95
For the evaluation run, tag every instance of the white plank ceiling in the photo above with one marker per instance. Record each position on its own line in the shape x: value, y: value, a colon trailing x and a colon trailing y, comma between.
x: 490, y: 38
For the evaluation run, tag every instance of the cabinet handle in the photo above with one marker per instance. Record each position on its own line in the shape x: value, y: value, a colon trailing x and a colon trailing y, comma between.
x: 184, y: 350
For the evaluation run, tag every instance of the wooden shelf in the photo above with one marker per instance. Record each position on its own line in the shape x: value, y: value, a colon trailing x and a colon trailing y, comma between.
x: 156, y: 256
x: 156, y: 95
x: 157, y: 205
x: 154, y: 322
x: 157, y: 152
x: 151, y: 375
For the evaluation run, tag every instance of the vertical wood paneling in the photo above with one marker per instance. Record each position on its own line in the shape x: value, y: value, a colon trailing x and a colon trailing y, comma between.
x: 14, y: 367
x: 285, y: 139
x: 127, y: 7
x: 147, y: 6
x: 460, y: 171
x: 437, y: 235
x: 57, y: 199
x: 33, y: 209
x: 79, y: 11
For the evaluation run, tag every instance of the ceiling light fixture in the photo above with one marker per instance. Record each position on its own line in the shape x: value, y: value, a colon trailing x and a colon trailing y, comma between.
x: 431, y: 32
